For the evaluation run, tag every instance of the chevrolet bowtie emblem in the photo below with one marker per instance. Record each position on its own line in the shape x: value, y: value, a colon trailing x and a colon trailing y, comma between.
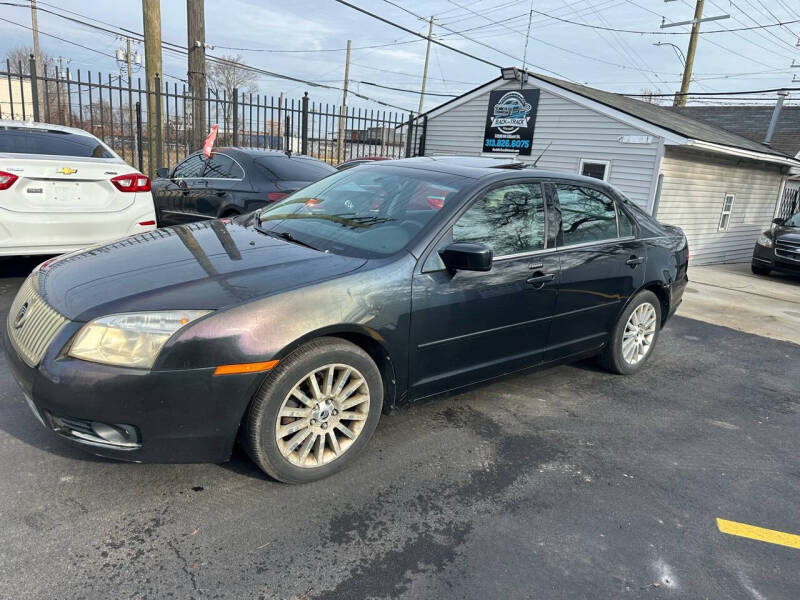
x: 67, y: 171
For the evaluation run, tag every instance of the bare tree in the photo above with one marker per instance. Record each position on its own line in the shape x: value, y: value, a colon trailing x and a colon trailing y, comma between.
x: 650, y: 96
x: 226, y: 74
x: 20, y: 56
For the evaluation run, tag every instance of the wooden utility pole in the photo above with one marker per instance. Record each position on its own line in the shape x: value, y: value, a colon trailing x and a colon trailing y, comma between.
x: 680, y: 99
x: 37, y: 56
x: 151, y: 17
x: 425, y: 69
x: 343, y: 112
x: 196, y: 46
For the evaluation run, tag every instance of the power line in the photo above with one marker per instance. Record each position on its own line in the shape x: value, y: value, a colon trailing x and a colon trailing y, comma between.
x: 371, y: 47
x: 178, y: 49
x: 740, y: 93
x: 416, y: 92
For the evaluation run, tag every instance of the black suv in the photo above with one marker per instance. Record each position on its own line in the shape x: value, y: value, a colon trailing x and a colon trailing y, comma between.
x: 778, y: 249
x: 233, y: 181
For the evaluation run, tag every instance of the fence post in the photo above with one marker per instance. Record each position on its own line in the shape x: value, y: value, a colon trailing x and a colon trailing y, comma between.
x: 409, y: 134
x: 235, y: 96
x: 159, y: 131
x: 421, y: 150
x: 34, y: 88
x: 139, y: 149
x: 304, y: 126
x: 287, y: 146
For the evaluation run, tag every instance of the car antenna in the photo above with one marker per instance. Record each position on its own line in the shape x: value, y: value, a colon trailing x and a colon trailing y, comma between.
x: 538, y: 158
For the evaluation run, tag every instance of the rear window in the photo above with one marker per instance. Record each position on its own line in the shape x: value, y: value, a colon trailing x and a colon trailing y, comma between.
x: 53, y: 143
x: 295, y: 169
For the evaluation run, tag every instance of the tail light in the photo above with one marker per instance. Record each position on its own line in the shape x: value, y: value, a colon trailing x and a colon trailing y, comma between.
x: 7, y: 180
x: 147, y: 223
x: 275, y: 196
x: 135, y: 182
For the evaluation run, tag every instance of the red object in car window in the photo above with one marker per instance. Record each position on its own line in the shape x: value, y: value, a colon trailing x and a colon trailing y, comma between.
x: 428, y: 197
x: 275, y: 196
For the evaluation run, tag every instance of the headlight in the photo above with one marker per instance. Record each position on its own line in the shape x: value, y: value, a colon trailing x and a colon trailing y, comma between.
x: 130, y: 339
x: 765, y: 240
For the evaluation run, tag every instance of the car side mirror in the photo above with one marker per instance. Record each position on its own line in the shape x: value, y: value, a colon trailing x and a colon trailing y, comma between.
x: 162, y: 173
x: 466, y: 256
x: 778, y: 221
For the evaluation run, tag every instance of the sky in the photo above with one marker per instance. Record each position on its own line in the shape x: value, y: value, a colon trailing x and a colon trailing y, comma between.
x: 264, y: 33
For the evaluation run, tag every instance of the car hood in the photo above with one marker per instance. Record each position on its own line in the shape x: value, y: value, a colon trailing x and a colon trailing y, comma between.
x: 787, y: 234
x: 205, y: 265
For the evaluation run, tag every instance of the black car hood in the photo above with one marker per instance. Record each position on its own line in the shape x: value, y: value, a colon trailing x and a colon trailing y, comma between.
x: 787, y: 234
x: 205, y: 265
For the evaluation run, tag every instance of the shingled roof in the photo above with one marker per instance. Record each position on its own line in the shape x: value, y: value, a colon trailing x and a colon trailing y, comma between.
x: 751, y: 122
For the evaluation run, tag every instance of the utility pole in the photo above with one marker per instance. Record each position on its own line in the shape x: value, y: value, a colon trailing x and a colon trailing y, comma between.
x: 151, y: 17
x: 680, y: 98
x: 687, y: 68
x: 37, y: 56
x: 343, y: 113
x: 425, y: 69
x: 196, y: 46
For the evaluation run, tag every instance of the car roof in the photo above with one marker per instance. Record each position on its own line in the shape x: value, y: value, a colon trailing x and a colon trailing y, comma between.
x: 11, y: 124
x: 256, y: 152
x: 470, y: 170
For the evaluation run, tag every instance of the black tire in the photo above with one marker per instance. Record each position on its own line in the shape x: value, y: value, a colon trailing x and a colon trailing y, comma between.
x: 760, y: 270
x: 230, y: 214
x: 261, y: 422
x: 611, y: 358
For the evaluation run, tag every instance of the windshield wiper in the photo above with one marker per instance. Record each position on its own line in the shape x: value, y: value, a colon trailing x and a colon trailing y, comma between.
x: 285, y: 235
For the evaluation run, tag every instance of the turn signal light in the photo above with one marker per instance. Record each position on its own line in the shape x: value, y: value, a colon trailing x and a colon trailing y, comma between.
x: 245, y: 368
x: 134, y: 182
x: 7, y: 180
x: 146, y: 223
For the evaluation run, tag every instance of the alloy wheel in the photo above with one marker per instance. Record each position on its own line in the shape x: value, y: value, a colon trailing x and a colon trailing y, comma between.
x: 637, y: 339
x: 322, y: 416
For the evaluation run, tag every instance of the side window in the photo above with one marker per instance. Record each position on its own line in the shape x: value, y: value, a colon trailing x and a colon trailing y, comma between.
x: 586, y: 215
x: 625, y: 223
x: 595, y: 168
x: 727, y: 209
x: 509, y: 219
x: 222, y: 166
x: 191, y: 167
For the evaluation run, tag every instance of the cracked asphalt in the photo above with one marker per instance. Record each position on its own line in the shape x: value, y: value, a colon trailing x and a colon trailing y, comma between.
x: 563, y: 483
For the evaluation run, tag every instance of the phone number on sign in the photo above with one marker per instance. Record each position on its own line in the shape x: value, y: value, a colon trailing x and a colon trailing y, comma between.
x: 490, y: 143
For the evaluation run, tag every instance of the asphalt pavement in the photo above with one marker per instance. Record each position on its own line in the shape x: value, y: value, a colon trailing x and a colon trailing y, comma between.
x: 563, y: 483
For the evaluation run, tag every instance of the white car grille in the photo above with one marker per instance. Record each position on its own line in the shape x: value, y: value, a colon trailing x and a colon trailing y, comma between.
x: 32, y: 324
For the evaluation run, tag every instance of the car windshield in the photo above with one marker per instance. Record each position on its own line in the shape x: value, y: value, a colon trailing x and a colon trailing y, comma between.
x: 52, y: 143
x: 368, y: 212
x: 793, y: 221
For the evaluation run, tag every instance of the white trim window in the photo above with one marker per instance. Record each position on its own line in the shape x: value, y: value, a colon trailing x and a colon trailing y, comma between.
x: 727, y: 209
x: 598, y: 169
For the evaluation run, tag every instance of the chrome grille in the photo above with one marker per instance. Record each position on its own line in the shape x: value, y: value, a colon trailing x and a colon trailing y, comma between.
x: 787, y: 249
x: 37, y: 328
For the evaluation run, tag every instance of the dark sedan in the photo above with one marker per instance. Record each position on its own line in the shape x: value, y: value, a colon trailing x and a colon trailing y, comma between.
x: 778, y: 248
x: 232, y: 182
x: 294, y: 327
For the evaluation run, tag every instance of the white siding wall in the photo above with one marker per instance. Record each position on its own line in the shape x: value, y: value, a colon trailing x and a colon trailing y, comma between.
x: 575, y: 132
x: 692, y: 194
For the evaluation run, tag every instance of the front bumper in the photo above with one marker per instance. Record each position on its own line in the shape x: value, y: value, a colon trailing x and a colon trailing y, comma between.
x: 181, y: 416
x: 767, y: 258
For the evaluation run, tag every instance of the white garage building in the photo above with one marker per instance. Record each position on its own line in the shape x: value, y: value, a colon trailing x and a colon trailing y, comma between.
x: 719, y: 187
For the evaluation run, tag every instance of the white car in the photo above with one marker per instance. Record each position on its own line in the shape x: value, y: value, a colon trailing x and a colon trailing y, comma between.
x: 62, y: 189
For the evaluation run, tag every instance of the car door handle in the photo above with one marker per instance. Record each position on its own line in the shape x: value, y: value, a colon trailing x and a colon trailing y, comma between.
x: 634, y: 260
x: 539, y: 279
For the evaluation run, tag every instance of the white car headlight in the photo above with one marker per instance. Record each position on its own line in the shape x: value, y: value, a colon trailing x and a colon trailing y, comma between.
x: 765, y: 240
x: 130, y: 339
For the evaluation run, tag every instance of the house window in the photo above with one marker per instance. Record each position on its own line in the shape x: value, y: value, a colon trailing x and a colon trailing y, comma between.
x: 595, y: 168
x: 725, y: 217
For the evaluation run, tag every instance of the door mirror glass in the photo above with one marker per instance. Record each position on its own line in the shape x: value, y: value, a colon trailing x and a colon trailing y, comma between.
x: 466, y: 256
x: 162, y: 173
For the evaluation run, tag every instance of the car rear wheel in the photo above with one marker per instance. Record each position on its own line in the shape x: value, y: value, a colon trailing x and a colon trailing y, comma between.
x: 315, y: 412
x: 634, y: 335
x: 760, y: 270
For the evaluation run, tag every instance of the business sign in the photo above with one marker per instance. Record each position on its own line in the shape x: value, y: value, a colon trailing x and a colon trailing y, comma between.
x: 510, y: 119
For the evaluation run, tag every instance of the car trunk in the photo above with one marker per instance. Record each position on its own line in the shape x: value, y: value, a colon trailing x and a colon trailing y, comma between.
x: 64, y: 186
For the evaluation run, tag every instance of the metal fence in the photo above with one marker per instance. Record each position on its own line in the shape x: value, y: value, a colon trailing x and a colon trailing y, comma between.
x: 789, y: 203
x: 115, y: 110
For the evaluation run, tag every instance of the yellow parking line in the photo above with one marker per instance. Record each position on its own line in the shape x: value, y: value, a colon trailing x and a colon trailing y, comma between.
x: 759, y: 533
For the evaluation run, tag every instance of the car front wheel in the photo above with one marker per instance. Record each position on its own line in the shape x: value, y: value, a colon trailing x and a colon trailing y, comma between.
x: 315, y: 412
x: 634, y: 335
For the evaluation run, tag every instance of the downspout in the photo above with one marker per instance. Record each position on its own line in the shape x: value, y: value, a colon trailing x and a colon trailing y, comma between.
x: 782, y: 95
